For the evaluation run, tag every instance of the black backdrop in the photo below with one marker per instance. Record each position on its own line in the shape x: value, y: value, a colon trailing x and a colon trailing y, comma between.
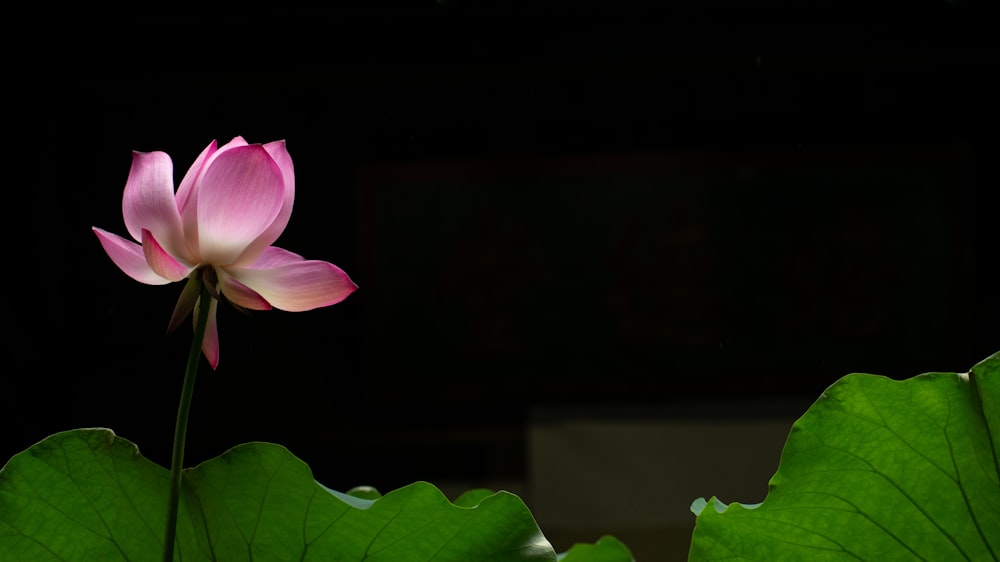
x: 568, y: 205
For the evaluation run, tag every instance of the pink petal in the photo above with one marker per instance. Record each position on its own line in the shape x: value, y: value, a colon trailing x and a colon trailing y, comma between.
x: 279, y: 153
x: 187, y: 196
x: 148, y: 202
x: 274, y: 256
x: 298, y: 286
x: 184, y: 188
x: 129, y: 257
x: 210, y: 344
x: 239, y: 196
x: 239, y: 294
x: 234, y: 142
x: 162, y: 263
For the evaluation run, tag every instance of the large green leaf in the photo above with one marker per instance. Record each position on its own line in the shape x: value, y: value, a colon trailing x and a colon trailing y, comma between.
x: 88, y: 495
x: 876, y: 470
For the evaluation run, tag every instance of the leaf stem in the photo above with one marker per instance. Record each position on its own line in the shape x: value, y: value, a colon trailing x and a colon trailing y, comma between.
x: 180, y: 428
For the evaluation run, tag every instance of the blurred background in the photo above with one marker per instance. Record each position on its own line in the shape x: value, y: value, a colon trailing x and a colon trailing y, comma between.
x: 606, y: 254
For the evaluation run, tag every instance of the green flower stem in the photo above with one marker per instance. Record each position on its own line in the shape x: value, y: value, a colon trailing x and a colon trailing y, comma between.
x: 180, y: 428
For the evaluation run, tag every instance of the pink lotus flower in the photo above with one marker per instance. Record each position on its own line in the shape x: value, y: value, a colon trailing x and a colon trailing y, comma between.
x: 218, y: 228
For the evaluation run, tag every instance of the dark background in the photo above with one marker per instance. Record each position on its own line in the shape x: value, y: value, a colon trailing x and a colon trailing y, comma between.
x: 821, y: 187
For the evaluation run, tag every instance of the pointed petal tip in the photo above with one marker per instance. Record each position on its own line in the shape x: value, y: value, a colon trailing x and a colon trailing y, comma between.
x: 298, y: 286
x: 210, y: 343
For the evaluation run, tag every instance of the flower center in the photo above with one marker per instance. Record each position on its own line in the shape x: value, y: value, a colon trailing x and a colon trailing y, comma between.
x: 211, y: 280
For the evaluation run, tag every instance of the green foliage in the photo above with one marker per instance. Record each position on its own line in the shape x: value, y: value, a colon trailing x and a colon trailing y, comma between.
x: 88, y: 495
x: 607, y: 549
x: 876, y: 470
